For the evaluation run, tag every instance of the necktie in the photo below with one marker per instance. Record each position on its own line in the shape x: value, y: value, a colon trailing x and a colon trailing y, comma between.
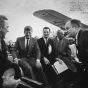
x: 46, y: 42
x: 27, y: 45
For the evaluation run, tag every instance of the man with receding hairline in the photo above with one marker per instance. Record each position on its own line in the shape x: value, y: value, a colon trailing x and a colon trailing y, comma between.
x: 48, y: 55
x: 11, y: 82
x: 64, y: 52
x: 27, y: 54
x: 75, y: 29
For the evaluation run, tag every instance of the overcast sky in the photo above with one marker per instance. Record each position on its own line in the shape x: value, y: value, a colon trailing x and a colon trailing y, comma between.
x: 20, y: 14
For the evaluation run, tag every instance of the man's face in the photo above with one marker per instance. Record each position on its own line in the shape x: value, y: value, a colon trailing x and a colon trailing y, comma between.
x: 5, y: 28
x: 28, y: 33
x: 71, y: 30
x: 46, y: 33
x: 60, y: 35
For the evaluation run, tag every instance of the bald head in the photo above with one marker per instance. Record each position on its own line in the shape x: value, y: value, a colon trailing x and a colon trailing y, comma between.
x: 60, y: 34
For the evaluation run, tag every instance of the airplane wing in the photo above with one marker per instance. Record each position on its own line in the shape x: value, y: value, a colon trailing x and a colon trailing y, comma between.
x: 53, y: 17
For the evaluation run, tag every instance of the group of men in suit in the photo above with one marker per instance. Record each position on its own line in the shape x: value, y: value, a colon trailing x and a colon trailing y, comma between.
x: 74, y: 28
x: 80, y: 34
x: 36, y: 57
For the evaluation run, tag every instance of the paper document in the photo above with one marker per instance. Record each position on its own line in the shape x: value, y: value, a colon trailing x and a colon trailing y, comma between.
x: 60, y: 67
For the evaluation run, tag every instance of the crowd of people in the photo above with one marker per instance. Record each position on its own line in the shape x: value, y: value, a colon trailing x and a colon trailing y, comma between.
x: 35, y: 57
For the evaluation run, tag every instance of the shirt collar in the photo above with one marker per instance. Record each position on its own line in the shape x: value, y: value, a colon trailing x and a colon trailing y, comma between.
x: 45, y: 38
x: 77, y: 33
x: 26, y: 39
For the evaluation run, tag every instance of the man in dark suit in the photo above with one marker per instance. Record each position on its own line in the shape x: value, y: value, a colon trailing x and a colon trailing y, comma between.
x: 64, y: 52
x: 75, y: 29
x: 48, y: 55
x: 27, y: 55
x: 3, y: 55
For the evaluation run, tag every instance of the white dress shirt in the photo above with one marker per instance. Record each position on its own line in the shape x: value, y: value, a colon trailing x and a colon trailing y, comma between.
x: 26, y: 42
x: 45, y: 40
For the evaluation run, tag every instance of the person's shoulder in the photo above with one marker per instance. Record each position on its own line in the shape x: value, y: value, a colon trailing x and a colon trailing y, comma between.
x: 50, y: 40
x: 20, y: 38
x: 54, y: 38
x: 85, y: 30
x: 33, y: 39
x: 84, y: 33
x: 40, y: 39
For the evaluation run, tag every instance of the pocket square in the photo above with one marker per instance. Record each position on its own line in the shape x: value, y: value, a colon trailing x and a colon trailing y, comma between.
x: 49, y: 49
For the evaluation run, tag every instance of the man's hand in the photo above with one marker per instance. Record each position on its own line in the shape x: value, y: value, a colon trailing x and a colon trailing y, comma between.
x: 16, y: 60
x: 60, y: 62
x: 10, y: 58
x: 46, y: 60
x: 38, y: 64
x: 11, y: 83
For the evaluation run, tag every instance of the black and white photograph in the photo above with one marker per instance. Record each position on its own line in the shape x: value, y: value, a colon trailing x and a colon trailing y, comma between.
x: 43, y: 43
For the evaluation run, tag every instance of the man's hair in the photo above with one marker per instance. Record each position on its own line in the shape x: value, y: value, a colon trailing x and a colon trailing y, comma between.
x: 28, y: 28
x: 46, y: 28
x: 2, y: 18
x: 75, y: 23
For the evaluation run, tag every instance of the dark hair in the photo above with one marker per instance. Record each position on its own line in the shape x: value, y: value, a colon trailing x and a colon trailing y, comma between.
x: 75, y: 23
x: 27, y: 28
x: 2, y: 18
x: 46, y: 28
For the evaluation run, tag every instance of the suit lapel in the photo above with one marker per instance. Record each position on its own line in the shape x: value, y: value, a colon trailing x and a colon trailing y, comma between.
x: 78, y: 37
x: 43, y: 42
x: 23, y: 43
x: 49, y: 42
x: 1, y: 54
x: 56, y: 41
x: 61, y: 43
x: 30, y: 44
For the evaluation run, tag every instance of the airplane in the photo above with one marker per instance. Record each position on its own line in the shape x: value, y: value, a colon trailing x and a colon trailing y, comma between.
x: 54, y: 17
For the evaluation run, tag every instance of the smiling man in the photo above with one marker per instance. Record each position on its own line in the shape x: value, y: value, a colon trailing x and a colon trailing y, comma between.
x: 27, y: 54
x: 75, y: 29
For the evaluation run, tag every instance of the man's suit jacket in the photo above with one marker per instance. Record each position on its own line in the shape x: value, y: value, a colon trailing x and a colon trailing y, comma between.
x: 83, y: 46
x: 63, y: 47
x: 45, y: 49
x: 33, y: 51
x: 64, y: 52
x: 3, y: 60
